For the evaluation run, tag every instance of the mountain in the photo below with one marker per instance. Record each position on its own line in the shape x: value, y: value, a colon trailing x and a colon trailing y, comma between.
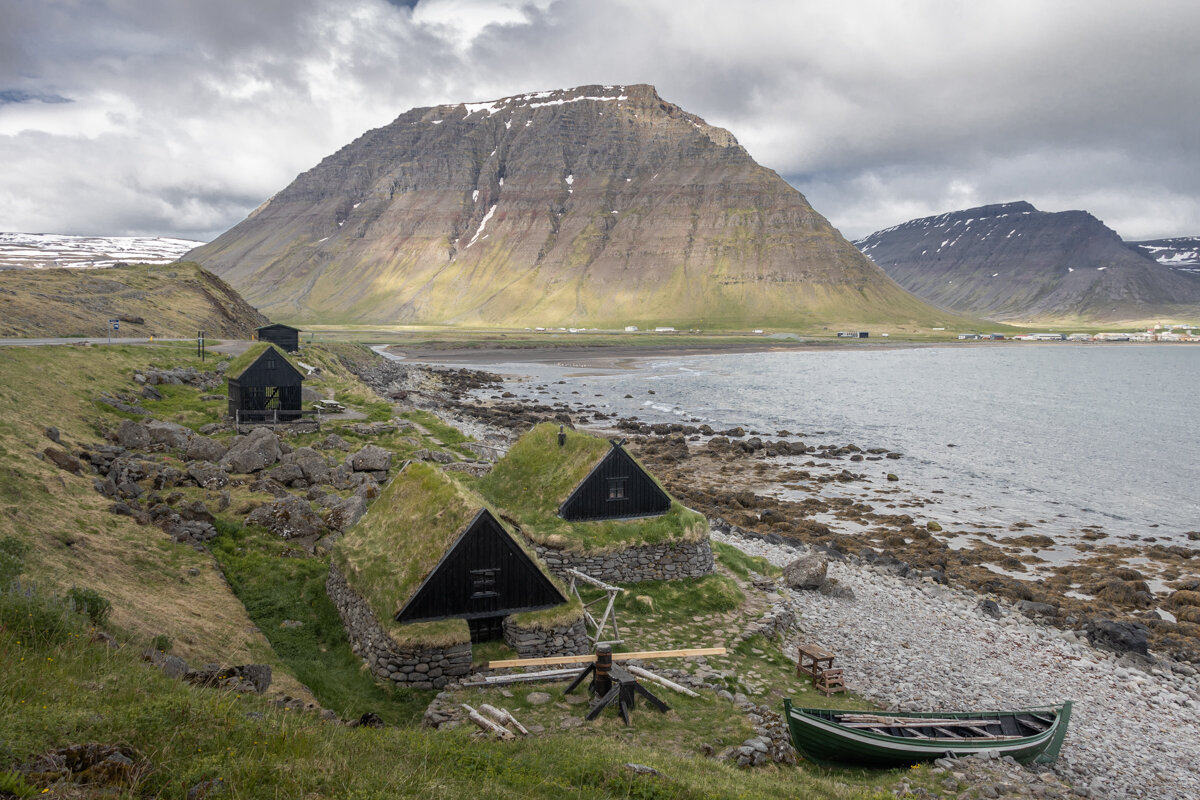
x: 595, y: 206
x: 150, y: 300
x: 1012, y: 262
x: 50, y: 250
x: 1180, y: 254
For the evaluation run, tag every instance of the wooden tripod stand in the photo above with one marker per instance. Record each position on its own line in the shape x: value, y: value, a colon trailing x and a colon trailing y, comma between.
x: 612, y: 683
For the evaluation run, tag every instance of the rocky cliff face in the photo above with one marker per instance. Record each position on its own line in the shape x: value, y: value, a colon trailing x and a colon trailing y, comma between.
x: 1012, y: 262
x: 598, y: 206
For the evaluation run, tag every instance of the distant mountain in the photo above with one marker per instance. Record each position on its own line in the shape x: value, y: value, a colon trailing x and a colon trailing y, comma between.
x: 1011, y: 262
x: 149, y: 300
x: 50, y: 250
x: 1181, y: 254
x: 597, y: 206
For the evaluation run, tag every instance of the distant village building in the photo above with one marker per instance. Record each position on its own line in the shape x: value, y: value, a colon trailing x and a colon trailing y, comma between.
x: 285, y: 337
x: 631, y: 328
x: 853, y: 334
x: 264, y: 386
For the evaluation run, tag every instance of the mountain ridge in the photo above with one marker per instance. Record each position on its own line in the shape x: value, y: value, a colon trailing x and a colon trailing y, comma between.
x: 1011, y: 262
x: 599, y: 205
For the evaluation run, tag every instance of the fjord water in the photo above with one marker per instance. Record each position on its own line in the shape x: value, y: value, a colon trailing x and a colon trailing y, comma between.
x: 1059, y: 436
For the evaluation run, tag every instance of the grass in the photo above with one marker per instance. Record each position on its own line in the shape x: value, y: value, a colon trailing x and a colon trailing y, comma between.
x: 276, y: 588
x: 742, y: 564
x: 73, y: 692
x: 536, y: 475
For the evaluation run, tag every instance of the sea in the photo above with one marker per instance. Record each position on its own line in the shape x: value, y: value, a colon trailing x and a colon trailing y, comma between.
x: 1060, y: 438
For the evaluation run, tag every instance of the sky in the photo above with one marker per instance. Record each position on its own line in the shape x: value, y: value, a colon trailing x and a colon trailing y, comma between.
x: 179, y: 117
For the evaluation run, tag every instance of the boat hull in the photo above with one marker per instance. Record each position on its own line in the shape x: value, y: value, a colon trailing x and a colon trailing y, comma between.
x: 822, y: 739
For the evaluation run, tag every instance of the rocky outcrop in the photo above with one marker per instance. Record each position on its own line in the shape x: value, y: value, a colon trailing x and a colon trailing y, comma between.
x: 414, y: 666
x: 557, y: 208
x: 1012, y: 262
x: 258, y: 449
x: 289, y: 517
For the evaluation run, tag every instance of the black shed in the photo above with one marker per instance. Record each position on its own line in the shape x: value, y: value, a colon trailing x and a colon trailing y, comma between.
x: 264, y: 385
x: 482, y: 578
x: 285, y: 337
x: 616, y: 488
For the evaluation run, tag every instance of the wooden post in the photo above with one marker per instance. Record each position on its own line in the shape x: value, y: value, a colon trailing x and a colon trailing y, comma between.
x: 602, y: 682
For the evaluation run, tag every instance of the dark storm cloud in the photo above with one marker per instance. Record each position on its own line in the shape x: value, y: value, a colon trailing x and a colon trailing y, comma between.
x: 186, y: 116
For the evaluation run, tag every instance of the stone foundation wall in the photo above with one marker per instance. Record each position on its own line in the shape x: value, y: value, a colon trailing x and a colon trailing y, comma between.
x: 655, y: 562
x: 536, y: 643
x: 418, y: 667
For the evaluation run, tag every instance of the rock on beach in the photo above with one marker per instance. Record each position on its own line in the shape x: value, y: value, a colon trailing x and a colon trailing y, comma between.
x: 915, y: 645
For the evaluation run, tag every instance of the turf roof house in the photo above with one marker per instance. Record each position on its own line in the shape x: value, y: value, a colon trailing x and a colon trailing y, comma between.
x: 585, y: 503
x: 285, y: 337
x: 429, y: 570
x: 264, y: 385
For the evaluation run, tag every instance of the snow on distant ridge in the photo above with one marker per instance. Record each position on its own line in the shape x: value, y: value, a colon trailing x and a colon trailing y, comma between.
x: 52, y: 250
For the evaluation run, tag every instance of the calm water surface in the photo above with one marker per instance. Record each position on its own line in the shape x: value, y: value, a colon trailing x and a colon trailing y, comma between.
x: 1062, y: 436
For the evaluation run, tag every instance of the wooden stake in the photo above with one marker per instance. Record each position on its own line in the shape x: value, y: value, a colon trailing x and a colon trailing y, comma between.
x: 538, y: 662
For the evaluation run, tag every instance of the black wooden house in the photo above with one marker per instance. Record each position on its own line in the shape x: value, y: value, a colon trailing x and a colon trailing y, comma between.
x: 483, y: 577
x: 285, y: 337
x: 616, y: 488
x: 264, y: 386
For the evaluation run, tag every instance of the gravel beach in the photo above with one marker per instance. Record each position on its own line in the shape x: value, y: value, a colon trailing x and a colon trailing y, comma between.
x: 909, y: 645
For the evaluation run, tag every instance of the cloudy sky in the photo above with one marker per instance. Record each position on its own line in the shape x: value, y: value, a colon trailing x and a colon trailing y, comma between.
x: 178, y: 117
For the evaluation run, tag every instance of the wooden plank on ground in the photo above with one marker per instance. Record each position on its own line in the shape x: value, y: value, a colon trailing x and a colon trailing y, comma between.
x: 538, y: 662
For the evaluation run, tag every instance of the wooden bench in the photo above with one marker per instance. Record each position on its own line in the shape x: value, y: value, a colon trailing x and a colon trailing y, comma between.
x: 830, y: 681
x: 812, y: 660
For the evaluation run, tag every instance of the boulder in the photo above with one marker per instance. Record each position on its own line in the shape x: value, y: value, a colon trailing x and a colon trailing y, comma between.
x: 809, y: 571
x: 133, y: 435
x: 288, y: 517
x: 289, y: 475
x: 332, y: 442
x: 344, y: 514
x: 203, y: 448
x: 1031, y: 608
x: 255, y: 451
x: 312, y: 464
x: 171, y: 434
x: 63, y: 460
x: 371, y: 458
x: 207, y: 475
x: 1125, y: 636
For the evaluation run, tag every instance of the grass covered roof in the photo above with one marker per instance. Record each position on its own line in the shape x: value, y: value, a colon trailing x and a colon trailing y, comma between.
x: 537, y: 475
x: 402, y: 538
x: 241, y: 363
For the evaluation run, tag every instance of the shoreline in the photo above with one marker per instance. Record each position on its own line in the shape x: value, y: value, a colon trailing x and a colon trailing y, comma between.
x: 765, y: 488
x: 621, y: 353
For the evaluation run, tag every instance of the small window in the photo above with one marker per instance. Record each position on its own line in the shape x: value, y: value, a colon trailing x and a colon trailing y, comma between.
x: 269, y: 363
x: 483, y: 583
x: 617, y: 488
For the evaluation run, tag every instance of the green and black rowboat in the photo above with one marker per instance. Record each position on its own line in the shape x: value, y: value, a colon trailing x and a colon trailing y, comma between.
x: 891, y: 739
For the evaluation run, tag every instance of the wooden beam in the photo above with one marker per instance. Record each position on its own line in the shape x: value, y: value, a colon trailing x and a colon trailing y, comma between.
x: 539, y: 662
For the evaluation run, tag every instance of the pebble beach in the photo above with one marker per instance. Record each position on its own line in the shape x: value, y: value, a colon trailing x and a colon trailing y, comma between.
x: 916, y: 645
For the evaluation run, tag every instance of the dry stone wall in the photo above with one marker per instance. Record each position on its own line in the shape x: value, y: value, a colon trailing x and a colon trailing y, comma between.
x: 417, y: 667
x: 537, y: 643
x: 657, y: 562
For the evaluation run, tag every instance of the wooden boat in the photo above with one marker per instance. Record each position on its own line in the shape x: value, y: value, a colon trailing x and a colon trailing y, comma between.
x: 890, y: 739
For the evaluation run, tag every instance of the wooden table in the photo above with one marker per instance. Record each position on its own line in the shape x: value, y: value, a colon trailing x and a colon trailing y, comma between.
x: 811, y: 660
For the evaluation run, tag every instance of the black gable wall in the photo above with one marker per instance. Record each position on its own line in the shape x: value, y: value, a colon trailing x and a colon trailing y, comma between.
x: 617, y: 488
x: 484, y: 574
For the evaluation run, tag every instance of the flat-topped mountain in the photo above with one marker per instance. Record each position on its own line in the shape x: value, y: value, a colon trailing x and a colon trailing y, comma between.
x: 53, y: 250
x: 1012, y: 262
x: 595, y: 206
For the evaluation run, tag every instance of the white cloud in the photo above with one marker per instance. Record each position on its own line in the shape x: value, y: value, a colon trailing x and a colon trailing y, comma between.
x: 186, y: 116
